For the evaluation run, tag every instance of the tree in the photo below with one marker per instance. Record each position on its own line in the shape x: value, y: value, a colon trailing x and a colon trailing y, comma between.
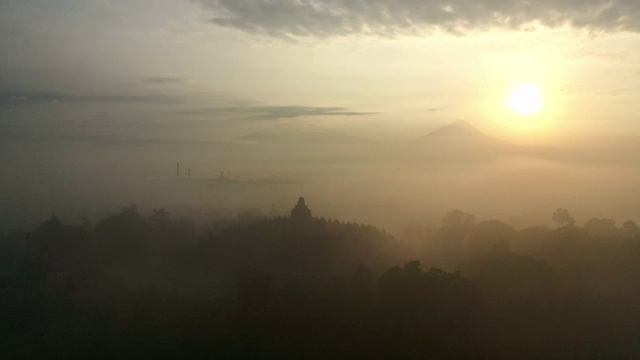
x: 459, y: 219
x: 126, y: 235
x: 600, y: 227
x: 61, y: 245
x: 630, y: 228
x: 426, y: 312
x: 563, y: 218
x: 490, y: 236
x: 456, y: 226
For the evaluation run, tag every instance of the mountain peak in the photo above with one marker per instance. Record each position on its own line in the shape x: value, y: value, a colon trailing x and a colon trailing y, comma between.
x: 458, y: 141
x: 457, y: 129
x: 456, y: 134
x: 462, y: 124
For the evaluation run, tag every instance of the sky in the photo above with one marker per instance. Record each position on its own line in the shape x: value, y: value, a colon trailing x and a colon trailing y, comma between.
x: 384, y: 70
x: 92, y: 91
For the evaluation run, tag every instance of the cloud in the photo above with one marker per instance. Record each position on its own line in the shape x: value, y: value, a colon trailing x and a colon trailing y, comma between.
x: 263, y: 112
x: 42, y: 97
x: 327, y: 18
x: 162, y: 80
x: 435, y: 109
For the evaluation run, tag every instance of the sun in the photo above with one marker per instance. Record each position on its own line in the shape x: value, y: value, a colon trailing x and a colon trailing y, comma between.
x: 526, y: 99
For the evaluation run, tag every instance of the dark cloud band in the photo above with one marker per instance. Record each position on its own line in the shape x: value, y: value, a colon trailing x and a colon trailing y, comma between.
x: 274, y: 112
x: 39, y: 97
x: 326, y: 18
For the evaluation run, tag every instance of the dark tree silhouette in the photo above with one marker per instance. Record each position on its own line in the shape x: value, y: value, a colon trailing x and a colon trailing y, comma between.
x: 141, y: 286
x: 562, y: 218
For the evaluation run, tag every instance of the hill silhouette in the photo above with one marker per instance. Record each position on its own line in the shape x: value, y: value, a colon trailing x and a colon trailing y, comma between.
x: 458, y: 130
x: 295, y: 247
x: 148, y: 286
x: 457, y: 141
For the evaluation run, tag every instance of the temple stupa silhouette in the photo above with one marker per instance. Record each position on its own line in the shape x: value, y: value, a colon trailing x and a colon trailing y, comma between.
x: 301, y: 211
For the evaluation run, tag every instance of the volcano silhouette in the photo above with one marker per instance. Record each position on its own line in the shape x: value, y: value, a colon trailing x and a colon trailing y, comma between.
x: 456, y: 141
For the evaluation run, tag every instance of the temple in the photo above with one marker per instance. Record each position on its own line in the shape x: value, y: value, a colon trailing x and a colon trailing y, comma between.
x: 301, y: 211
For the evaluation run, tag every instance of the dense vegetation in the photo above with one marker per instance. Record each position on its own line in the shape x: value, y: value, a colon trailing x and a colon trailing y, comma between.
x: 136, y: 286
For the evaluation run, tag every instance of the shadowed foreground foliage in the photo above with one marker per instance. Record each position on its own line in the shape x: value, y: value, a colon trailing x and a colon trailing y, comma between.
x: 136, y: 286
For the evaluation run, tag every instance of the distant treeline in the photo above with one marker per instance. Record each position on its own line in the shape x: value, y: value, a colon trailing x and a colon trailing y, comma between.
x: 249, y: 287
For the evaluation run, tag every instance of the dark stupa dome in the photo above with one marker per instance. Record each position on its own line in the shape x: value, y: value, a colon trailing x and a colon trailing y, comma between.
x: 301, y: 211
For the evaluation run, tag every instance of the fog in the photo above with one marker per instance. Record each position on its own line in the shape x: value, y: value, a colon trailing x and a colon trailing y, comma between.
x: 77, y: 174
x: 313, y: 179
x: 297, y: 239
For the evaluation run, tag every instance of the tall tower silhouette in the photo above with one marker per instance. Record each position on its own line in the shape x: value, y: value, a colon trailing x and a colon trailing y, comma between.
x: 178, y: 170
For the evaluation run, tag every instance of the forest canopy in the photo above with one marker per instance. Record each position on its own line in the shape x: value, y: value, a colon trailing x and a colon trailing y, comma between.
x: 251, y: 286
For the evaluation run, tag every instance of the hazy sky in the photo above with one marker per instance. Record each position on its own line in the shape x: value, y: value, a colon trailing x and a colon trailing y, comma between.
x: 382, y: 69
x: 100, y: 96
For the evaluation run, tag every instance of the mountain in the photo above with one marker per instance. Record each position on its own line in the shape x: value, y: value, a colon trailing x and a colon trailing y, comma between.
x: 301, y: 133
x: 456, y: 141
x: 457, y: 132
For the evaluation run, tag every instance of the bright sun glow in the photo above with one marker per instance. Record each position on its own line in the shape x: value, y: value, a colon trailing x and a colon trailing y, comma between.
x: 526, y: 99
